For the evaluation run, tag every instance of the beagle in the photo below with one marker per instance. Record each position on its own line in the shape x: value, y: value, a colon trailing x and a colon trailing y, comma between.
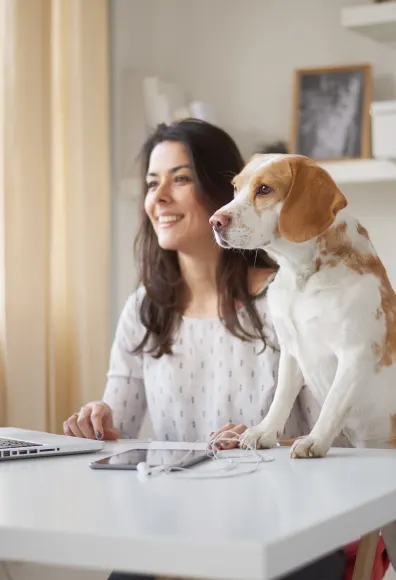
x: 332, y: 304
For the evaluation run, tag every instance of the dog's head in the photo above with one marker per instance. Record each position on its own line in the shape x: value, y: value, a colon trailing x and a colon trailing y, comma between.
x: 278, y: 195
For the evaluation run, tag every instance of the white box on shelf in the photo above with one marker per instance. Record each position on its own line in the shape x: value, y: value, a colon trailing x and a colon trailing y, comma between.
x: 164, y: 101
x: 383, y: 129
x: 203, y: 111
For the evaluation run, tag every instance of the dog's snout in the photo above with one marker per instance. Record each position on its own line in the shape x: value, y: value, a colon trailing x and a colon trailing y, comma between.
x: 220, y: 220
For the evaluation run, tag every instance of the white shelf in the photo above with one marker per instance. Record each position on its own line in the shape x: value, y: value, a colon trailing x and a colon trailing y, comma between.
x: 361, y: 171
x: 343, y: 172
x: 377, y: 21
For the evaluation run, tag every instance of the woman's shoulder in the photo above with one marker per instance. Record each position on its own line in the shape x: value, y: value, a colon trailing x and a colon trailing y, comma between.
x: 133, y: 302
x: 259, y: 279
x: 129, y: 320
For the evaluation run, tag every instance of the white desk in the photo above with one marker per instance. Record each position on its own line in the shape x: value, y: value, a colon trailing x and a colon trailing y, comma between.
x: 59, y: 511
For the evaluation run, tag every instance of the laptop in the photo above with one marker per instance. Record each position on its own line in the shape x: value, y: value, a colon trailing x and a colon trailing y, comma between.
x: 23, y: 444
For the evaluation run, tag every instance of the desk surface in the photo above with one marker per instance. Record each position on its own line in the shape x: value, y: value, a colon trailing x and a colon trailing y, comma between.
x: 59, y: 511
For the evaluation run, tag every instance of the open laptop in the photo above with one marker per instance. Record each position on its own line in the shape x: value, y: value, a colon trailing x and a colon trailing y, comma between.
x: 22, y: 444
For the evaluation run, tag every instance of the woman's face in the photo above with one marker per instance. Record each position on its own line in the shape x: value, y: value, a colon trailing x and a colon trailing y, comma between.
x: 179, y: 220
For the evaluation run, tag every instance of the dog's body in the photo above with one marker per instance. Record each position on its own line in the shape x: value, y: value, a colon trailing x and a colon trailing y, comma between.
x: 331, y: 301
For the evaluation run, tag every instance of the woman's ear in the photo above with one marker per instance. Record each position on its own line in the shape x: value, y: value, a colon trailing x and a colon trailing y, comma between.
x: 311, y: 204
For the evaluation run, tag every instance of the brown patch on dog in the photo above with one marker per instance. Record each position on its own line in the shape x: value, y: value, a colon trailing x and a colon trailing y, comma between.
x: 388, y: 303
x: 318, y: 263
x: 392, y: 433
x: 311, y: 203
x: 362, y: 231
x: 277, y: 176
x: 335, y: 242
x: 337, y: 248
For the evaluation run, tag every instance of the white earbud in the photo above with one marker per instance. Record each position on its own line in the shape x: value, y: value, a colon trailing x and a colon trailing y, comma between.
x: 143, y: 469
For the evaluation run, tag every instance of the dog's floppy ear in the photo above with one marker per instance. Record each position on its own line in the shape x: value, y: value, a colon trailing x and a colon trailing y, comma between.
x: 311, y: 204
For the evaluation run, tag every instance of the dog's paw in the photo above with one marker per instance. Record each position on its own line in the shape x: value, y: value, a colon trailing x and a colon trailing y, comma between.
x: 258, y: 438
x: 308, y: 447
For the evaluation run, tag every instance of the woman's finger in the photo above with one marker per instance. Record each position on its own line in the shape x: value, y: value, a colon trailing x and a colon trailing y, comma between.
x: 84, y: 422
x: 286, y: 442
x: 230, y: 439
x: 216, y: 434
x: 110, y: 433
x: 72, y: 423
x: 66, y: 429
x: 98, y: 412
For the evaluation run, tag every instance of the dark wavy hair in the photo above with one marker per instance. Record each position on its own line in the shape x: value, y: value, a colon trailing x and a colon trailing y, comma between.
x: 215, y: 159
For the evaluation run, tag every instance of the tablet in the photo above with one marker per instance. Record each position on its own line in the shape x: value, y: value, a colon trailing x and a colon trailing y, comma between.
x: 171, y: 458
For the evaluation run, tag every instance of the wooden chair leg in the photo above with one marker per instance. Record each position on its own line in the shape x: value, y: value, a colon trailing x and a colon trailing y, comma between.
x: 365, y: 556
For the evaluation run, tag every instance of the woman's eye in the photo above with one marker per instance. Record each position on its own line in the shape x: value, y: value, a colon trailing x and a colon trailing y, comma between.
x: 182, y: 179
x: 264, y: 190
x: 151, y: 185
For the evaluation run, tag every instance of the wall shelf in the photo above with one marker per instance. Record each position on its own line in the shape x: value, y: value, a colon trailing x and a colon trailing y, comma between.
x: 361, y: 171
x: 343, y: 172
x: 377, y: 21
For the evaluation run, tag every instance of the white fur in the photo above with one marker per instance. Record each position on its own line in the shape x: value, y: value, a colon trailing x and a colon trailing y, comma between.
x: 326, y: 326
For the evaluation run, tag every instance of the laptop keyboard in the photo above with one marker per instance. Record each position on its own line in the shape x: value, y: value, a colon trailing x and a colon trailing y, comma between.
x: 12, y: 444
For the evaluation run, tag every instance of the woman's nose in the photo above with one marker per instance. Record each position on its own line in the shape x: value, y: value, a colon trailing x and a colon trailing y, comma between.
x: 164, y: 192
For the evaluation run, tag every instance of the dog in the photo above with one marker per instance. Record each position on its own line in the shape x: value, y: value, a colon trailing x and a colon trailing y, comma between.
x: 331, y: 301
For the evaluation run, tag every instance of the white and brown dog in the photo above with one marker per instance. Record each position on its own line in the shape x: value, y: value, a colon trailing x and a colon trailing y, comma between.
x: 332, y: 304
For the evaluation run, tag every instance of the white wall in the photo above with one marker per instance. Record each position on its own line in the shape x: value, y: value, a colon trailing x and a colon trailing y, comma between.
x: 240, y: 57
x: 131, y: 23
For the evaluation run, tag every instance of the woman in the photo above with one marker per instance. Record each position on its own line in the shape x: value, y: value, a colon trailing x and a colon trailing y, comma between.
x: 194, y: 344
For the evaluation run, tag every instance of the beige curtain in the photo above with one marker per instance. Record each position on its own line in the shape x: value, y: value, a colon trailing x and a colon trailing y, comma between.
x: 54, y: 208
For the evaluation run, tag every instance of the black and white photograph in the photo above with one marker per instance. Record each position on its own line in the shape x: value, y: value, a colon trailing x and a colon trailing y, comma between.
x: 331, y: 113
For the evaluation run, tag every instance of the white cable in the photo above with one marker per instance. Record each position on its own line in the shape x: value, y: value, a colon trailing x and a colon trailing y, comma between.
x: 144, y: 470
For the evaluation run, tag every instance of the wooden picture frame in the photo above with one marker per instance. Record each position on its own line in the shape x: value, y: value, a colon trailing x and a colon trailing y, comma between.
x: 331, y: 112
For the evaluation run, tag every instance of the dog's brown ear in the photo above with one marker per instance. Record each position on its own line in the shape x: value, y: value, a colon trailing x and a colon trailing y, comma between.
x: 311, y: 204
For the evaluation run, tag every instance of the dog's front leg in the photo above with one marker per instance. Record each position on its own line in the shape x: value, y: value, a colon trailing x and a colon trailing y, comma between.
x: 290, y: 381
x: 353, y: 371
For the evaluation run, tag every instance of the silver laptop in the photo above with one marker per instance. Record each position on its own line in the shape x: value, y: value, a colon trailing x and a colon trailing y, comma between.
x: 22, y: 444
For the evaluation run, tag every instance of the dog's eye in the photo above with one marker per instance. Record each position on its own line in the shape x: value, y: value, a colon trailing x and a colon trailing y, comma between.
x: 235, y: 190
x: 263, y: 190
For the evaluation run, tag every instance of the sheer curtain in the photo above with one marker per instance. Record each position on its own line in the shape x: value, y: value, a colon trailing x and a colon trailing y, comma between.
x: 54, y: 208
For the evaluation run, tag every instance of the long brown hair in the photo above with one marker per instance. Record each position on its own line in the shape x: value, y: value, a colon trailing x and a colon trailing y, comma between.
x: 215, y: 159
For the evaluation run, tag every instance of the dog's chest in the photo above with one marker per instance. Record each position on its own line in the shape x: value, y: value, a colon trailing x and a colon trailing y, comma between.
x: 302, y: 312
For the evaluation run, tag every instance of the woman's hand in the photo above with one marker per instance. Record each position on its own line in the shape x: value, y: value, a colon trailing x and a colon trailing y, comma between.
x: 94, y: 421
x: 228, y: 436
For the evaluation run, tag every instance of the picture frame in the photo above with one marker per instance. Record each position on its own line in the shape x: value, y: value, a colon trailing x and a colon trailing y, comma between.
x: 331, y: 112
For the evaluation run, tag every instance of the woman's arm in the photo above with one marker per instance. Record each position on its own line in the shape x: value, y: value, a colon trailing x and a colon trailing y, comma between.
x: 125, y: 392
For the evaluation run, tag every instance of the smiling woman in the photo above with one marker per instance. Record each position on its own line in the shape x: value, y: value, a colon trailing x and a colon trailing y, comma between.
x: 188, y: 169
x: 177, y: 216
